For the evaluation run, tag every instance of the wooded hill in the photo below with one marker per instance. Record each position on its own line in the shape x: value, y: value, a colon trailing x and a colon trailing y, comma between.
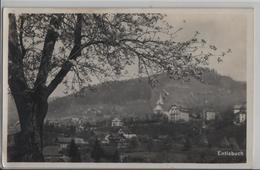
x: 136, y: 97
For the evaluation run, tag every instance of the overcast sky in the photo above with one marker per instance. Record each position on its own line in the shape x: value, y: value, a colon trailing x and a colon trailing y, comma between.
x: 223, y: 28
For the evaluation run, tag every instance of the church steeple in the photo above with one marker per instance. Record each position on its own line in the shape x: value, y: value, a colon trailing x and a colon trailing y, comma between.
x: 160, y: 100
x: 158, y: 108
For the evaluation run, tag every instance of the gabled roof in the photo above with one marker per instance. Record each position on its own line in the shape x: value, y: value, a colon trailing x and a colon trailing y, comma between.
x: 180, y: 108
x: 79, y: 141
x: 116, y: 119
x: 237, y: 106
x: 124, y: 130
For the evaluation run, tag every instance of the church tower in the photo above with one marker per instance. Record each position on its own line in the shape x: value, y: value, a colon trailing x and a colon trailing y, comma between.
x: 158, y: 108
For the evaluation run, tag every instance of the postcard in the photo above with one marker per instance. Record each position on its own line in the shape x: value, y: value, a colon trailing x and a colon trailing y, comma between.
x: 128, y: 88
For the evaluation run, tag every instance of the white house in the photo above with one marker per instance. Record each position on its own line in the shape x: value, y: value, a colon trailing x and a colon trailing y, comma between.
x: 240, y: 114
x: 177, y: 113
x: 209, y: 115
x: 106, y: 139
x: 236, y: 108
x: 116, y: 122
x: 241, y: 118
x: 127, y: 134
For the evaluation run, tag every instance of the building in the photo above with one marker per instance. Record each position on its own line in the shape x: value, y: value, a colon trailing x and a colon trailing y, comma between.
x: 64, y: 142
x: 175, y: 113
x: 116, y: 122
x: 53, y: 122
x: 209, y: 115
x: 239, y: 114
x: 100, y: 135
x: 158, y: 109
x: 127, y: 134
x: 106, y: 139
x: 117, y: 140
x: 178, y: 113
x: 241, y: 117
x: 237, y: 108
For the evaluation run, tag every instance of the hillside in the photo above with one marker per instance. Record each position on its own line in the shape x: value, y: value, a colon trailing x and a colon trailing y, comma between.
x: 135, y: 97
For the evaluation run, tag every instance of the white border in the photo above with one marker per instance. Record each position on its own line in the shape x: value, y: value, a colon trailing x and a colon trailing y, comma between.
x: 256, y: 156
x: 129, y: 4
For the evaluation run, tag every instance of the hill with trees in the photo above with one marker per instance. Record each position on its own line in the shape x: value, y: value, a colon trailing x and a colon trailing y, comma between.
x: 135, y: 97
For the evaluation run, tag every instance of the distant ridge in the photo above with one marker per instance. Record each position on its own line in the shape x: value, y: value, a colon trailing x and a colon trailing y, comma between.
x: 135, y: 97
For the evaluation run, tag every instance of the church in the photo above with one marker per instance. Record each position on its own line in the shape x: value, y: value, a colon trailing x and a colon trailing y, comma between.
x: 174, y: 114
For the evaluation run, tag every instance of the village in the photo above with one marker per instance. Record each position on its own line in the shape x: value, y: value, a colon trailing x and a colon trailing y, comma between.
x: 163, y: 136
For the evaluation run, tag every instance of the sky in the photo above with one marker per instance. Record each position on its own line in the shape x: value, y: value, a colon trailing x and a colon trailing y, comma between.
x: 226, y: 29
x: 223, y: 30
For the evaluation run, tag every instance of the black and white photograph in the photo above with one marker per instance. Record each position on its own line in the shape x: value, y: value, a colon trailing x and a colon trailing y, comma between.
x: 128, y: 85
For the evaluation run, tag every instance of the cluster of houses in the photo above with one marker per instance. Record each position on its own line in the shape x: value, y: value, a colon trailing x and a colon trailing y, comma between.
x: 174, y: 114
x: 178, y: 113
x: 56, y: 151
x: 76, y: 122
x: 116, y: 122
x: 118, y: 135
x: 119, y: 138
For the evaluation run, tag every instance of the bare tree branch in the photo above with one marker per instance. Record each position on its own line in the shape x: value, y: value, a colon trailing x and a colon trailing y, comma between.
x: 49, y: 43
x: 21, y: 36
x: 16, y: 77
x: 75, y: 52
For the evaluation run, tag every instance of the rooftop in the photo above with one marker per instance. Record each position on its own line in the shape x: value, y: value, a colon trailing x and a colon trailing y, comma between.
x: 237, y: 106
x: 116, y: 119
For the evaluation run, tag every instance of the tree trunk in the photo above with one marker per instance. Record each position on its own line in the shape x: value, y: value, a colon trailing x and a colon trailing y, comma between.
x: 32, y: 104
x: 32, y: 108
